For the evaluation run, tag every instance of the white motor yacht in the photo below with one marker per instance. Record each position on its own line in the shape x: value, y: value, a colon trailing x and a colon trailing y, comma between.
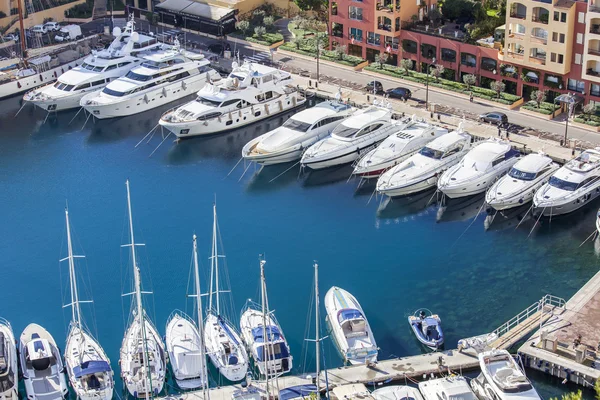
x: 166, y: 74
x: 450, y: 388
x: 251, y: 92
x: 397, y: 148
x: 397, y: 392
x: 422, y: 170
x: 303, y: 129
x: 352, y: 138
x: 96, y: 71
x: 41, y: 365
x: 349, y: 326
x: 521, y: 182
x: 574, y: 185
x: 9, y: 381
x: 479, y: 169
x: 501, y: 378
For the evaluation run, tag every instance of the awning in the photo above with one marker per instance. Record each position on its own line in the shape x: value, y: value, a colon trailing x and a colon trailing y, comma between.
x: 569, y: 98
x: 212, y: 12
x: 90, y: 367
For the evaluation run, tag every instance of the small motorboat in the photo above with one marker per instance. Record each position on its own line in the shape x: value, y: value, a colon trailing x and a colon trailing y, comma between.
x: 428, y: 328
x: 397, y: 392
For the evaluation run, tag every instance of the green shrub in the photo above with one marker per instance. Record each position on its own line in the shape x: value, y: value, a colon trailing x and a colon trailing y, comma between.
x: 81, y: 10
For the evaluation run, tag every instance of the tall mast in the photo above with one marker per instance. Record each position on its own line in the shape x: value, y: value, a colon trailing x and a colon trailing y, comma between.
x: 214, y: 262
x: 264, y: 315
x: 205, y: 392
x: 138, y: 293
x: 22, y: 33
x: 317, y: 331
x: 75, y: 309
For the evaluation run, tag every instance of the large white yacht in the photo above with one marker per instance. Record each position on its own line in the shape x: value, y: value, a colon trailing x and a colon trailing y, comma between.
x: 521, y: 182
x: 96, y: 71
x: 422, y: 170
x: 450, y: 387
x: 9, y: 382
x: 303, y: 129
x: 574, y: 185
x: 350, y: 139
x: 501, y: 378
x: 479, y: 169
x: 165, y: 75
x: 250, y: 93
x: 349, y: 326
x: 397, y: 148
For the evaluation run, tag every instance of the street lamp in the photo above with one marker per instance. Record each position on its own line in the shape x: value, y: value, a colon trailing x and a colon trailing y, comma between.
x: 571, y: 101
x: 427, y: 85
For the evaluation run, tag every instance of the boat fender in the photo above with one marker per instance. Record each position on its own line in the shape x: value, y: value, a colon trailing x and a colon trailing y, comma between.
x: 164, y: 92
x: 240, y: 113
x: 230, y: 117
x: 267, y: 109
x: 219, y: 118
x: 41, y: 78
x: 19, y: 84
x: 294, y: 101
x: 280, y: 105
x: 146, y: 98
x: 55, y: 74
x: 183, y: 85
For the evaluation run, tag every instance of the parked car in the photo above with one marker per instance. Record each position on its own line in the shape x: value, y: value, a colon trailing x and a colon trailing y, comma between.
x: 374, y: 87
x: 494, y: 117
x: 52, y: 26
x: 399, y: 93
x: 40, y: 29
x: 12, y: 36
x: 69, y: 32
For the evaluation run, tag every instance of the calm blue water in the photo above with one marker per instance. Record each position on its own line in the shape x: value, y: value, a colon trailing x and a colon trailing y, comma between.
x: 393, y: 257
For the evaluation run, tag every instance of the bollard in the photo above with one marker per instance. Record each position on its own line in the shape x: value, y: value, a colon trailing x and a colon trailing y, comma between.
x: 573, y: 153
x: 439, y: 117
x: 368, y: 98
x: 309, y: 83
x: 431, y: 114
x: 561, y: 143
x: 316, y: 85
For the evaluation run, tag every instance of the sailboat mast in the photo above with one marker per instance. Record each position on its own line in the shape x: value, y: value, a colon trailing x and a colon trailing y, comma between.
x: 215, y: 257
x: 268, y: 312
x: 205, y: 392
x: 22, y: 33
x: 75, y: 308
x: 265, y: 349
x: 317, y: 330
x: 138, y: 292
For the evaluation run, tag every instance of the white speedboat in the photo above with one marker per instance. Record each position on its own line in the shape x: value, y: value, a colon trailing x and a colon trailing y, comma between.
x: 574, y: 185
x: 521, y: 182
x: 397, y: 148
x: 451, y: 387
x: 96, y: 71
x: 41, y: 365
x: 9, y: 381
x: 501, y: 378
x: 352, y: 138
x: 251, y: 92
x: 223, y: 343
x: 88, y: 366
x: 166, y: 74
x: 142, y: 357
x: 397, y: 392
x: 184, y: 346
x: 479, y: 169
x: 302, y: 130
x: 349, y: 326
x: 422, y: 170
x: 264, y: 337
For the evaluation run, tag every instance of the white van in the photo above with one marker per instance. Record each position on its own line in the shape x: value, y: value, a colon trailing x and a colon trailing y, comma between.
x: 68, y: 32
x: 41, y: 29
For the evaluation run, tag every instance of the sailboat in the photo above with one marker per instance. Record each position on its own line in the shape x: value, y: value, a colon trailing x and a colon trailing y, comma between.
x: 223, y: 343
x: 263, y: 335
x: 143, y: 357
x: 88, y: 366
x: 185, y: 343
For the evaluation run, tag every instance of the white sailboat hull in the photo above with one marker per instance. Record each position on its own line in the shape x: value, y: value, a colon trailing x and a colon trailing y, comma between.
x: 9, y: 379
x: 225, y: 349
x: 184, y: 346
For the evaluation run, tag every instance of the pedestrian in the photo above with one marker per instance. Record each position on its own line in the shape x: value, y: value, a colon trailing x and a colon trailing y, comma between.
x: 471, y: 97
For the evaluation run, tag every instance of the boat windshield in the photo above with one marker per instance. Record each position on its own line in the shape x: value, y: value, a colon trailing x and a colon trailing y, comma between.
x: 207, y: 102
x: 522, y: 175
x: 562, y: 184
x: 63, y: 86
x: 344, y: 131
x: 138, y: 77
x: 296, y: 125
x: 155, y: 65
x: 431, y: 153
x: 113, y: 92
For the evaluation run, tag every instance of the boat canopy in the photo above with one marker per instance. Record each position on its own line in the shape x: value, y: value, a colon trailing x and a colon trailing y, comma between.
x: 297, y: 392
x: 347, y: 314
x: 277, y: 351
x: 272, y: 331
x: 91, y: 367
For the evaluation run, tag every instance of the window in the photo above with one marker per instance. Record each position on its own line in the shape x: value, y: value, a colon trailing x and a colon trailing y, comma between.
x: 113, y: 92
x: 337, y: 30
x: 561, y: 58
x: 581, y: 18
x: 522, y: 175
x: 204, y: 68
x: 553, y: 57
x: 577, y: 58
x: 356, y: 34
x: 562, y: 37
x: 138, y: 77
x: 488, y: 64
x: 83, y: 86
x: 579, y: 38
x: 111, y: 67
x: 575, y: 85
x: 334, y: 8
x: 563, y: 17
x: 428, y: 50
x: 468, y: 59
x: 296, y: 125
x: 448, y: 55
x: 124, y: 64
x: 556, y: 16
x: 595, y: 90
x: 373, y: 38
x: 344, y: 131
x: 497, y: 161
x: 410, y: 46
x: 229, y: 102
x: 97, y: 83
x: 561, y: 184
x: 355, y: 13
x: 431, y: 153
x: 392, y: 42
x: 555, y: 36
x: 369, y: 129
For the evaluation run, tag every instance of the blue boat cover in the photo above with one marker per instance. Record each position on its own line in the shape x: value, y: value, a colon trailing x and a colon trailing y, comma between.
x: 272, y: 331
x: 280, y: 351
x: 91, y: 367
x: 348, y: 313
x: 225, y: 327
x: 297, y: 392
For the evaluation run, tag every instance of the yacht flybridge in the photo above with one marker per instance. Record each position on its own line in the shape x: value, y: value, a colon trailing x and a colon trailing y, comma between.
x: 479, y: 169
x: 88, y: 366
x: 9, y: 383
x: 521, y: 182
x: 303, y: 129
x: 143, y: 357
x: 501, y: 378
x: 166, y: 74
x: 251, y: 92
x: 422, y: 170
x: 96, y: 71
x: 397, y: 148
x: 574, y: 185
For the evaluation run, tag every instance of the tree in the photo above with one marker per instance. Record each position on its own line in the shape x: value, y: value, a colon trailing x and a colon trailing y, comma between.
x: 298, y: 42
x: 469, y: 80
x: 406, y: 64
x: 243, y: 26
x: 539, y: 96
x: 414, y: 18
x: 435, y: 16
x: 257, y: 17
x: 340, y: 51
x: 381, y: 58
x: 298, y: 21
x: 498, y: 87
x: 588, y: 110
x: 310, y: 5
x: 268, y: 22
x: 454, y: 9
x: 437, y: 71
x: 260, y: 31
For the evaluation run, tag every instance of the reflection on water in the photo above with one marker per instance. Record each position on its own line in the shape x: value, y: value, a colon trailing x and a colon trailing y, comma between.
x: 327, y: 176
x: 460, y: 209
x: 501, y: 220
x: 391, y: 208
x: 271, y: 177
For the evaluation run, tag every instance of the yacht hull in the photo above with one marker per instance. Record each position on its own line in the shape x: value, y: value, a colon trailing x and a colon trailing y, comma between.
x: 184, y: 343
x: 58, y: 104
x: 476, y: 186
x: 216, y: 328
x: 412, y: 187
x: 9, y: 379
x: 550, y: 209
x: 375, y: 171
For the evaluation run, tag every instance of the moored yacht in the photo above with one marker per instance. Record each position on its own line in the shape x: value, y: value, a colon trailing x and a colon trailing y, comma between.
x: 574, y: 185
x: 421, y: 171
x: 9, y: 382
x: 251, y: 92
x: 355, y: 135
x: 451, y: 387
x: 166, y: 74
x: 479, y: 169
x: 303, y: 129
x: 349, y: 326
x: 501, y: 378
x: 96, y: 71
x: 522, y: 181
x: 397, y: 392
x: 397, y: 148
x: 41, y: 365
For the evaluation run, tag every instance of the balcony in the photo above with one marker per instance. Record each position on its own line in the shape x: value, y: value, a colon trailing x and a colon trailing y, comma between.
x: 517, y: 15
x: 538, y: 40
x: 594, y: 7
x: 540, y: 15
x: 594, y: 52
x: 592, y: 71
x: 517, y: 36
x: 515, y: 56
x: 537, y: 60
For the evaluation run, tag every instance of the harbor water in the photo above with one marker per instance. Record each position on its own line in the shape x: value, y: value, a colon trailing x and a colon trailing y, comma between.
x: 395, y: 256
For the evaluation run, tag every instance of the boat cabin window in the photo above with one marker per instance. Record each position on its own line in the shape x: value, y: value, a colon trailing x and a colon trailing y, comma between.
x: 229, y: 102
x: 98, y: 69
x: 207, y: 102
x: 138, y: 77
x: 296, y: 125
x: 453, y: 151
x: 204, y: 68
x: 63, y: 86
x: 498, y: 161
x: 238, y: 77
x: 344, y: 131
x: 265, y: 96
x: 562, y: 184
x: 369, y: 129
x: 120, y: 65
x: 329, y: 120
x: 267, y: 78
x: 83, y: 86
x: 113, y: 92
x: 522, y: 175
x: 100, y: 82
x: 111, y: 67
x: 147, y: 43
x: 431, y: 153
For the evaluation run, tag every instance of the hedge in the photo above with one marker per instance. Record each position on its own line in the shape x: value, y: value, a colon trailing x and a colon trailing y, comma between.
x: 328, y: 55
x: 267, y: 39
x: 588, y: 122
x: 545, y: 108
